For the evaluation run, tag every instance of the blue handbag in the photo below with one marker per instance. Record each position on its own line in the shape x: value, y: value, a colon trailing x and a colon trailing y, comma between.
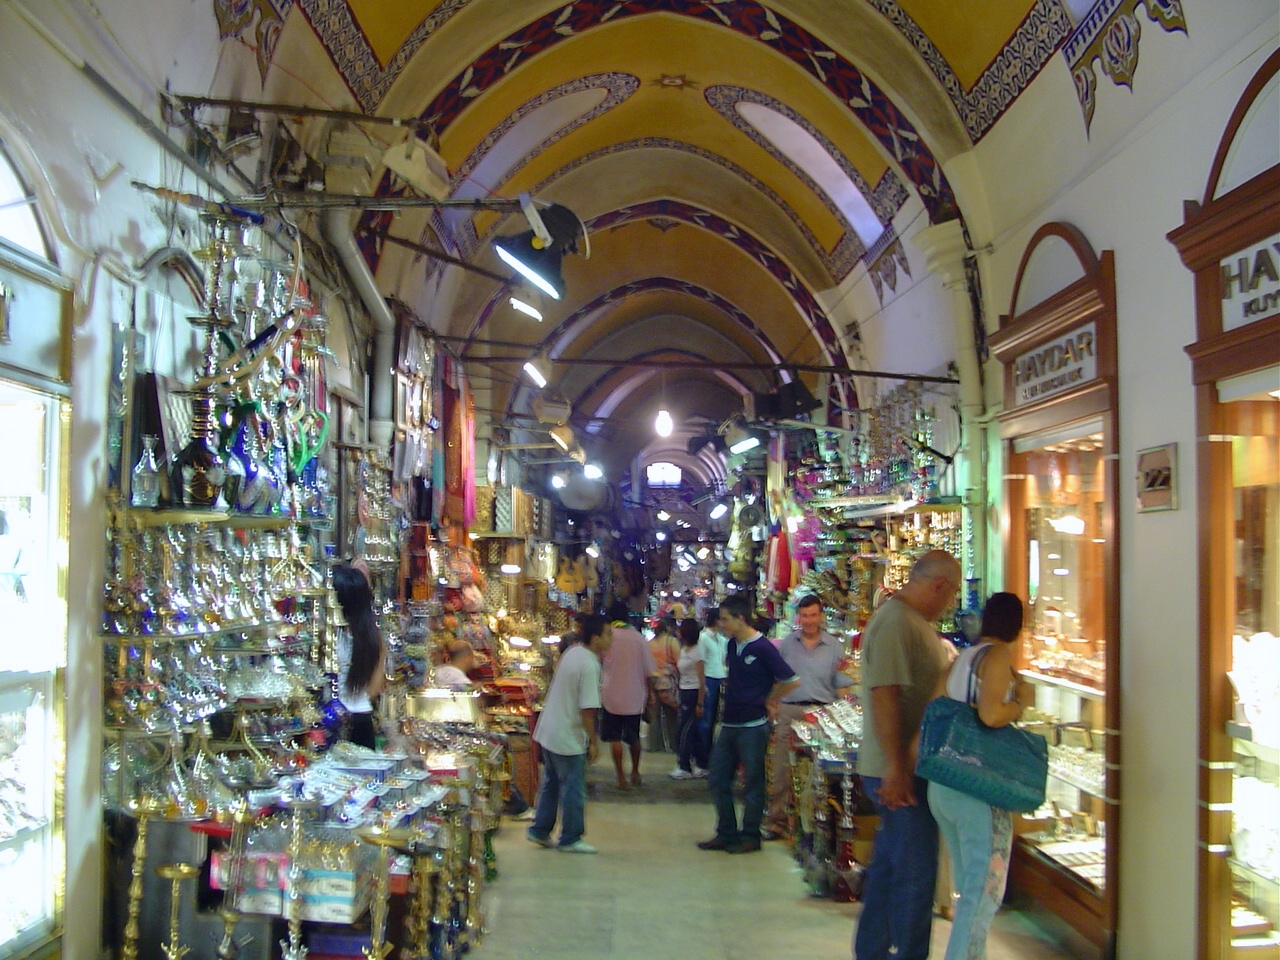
x: 1004, y: 767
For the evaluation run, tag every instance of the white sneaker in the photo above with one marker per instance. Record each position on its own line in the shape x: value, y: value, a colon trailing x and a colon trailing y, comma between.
x: 699, y: 773
x: 678, y: 774
x: 540, y: 841
x: 578, y: 846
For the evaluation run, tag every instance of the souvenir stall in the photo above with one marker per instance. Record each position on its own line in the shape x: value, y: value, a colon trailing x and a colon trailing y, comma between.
x: 232, y: 810
x: 1230, y: 241
x: 1059, y: 430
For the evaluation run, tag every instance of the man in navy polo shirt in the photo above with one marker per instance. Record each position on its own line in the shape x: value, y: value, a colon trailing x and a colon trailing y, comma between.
x: 756, y: 673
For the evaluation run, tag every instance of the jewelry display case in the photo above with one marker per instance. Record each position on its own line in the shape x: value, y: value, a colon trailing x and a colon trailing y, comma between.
x: 1060, y: 429
x: 1235, y: 362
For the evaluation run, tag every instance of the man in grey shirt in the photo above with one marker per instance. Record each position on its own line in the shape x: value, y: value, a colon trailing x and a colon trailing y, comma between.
x: 815, y: 655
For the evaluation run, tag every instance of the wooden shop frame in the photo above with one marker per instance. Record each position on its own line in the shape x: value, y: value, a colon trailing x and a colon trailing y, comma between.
x: 1086, y: 304
x: 1215, y: 229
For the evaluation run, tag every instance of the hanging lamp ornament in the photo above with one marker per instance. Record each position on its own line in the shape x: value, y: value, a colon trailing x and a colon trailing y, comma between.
x: 664, y: 425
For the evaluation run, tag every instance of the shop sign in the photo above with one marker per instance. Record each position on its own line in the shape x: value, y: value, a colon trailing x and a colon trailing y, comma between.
x: 1251, y: 284
x: 1062, y: 365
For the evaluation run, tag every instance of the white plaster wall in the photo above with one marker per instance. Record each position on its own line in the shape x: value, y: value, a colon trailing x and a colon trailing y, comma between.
x: 1124, y: 189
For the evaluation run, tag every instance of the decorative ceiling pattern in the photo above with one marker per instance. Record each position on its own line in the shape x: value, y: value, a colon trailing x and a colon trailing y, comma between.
x: 1024, y: 54
x: 878, y: 113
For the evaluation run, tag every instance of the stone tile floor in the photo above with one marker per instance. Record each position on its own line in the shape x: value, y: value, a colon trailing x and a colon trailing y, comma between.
x: 650, y: 894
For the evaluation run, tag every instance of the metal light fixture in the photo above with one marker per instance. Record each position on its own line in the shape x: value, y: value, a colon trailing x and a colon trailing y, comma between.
x: 740, y: 439
x: 562, y: 437
x: 535, y: 374
x: 526, y: 308
x: 536, y: 253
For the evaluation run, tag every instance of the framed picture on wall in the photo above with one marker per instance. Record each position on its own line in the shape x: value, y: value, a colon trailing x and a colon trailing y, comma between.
x: 1158, y: 478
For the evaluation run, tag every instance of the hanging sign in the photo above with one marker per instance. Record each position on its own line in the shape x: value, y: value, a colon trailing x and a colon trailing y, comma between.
x: 1053, y: 368
x: 1251, y: 284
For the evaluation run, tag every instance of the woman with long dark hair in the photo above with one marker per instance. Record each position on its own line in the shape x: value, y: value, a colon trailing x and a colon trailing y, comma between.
x: 361, y: 653
x: 690, y: 737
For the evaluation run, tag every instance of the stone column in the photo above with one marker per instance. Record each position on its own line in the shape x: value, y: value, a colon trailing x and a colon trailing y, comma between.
x: 946, y: 251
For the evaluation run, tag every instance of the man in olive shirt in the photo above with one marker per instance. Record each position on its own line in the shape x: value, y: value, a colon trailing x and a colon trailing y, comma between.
x: 902, y: 662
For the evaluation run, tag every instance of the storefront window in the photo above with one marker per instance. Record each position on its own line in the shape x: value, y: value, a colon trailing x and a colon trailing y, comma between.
x: 1254, y: 672
x: 1063, y: 651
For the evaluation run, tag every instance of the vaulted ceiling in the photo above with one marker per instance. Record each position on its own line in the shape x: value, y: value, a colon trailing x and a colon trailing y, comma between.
x: 732, y: 162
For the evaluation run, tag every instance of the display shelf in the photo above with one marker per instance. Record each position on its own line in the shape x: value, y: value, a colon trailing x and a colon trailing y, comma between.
x: 1252, y: 872
x: 1080, y: 783
x: 219, y: 518
x: 227, y: 630
x: 1244, y: 733
x: 1044, y: 680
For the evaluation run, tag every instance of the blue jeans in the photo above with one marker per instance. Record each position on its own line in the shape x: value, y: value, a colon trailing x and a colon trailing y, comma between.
x: 897, y: 896
x: 978, y: 838
x: 690, y: 736
x: 711, y: 712
x: 734, y: 745
x: 563, y: 789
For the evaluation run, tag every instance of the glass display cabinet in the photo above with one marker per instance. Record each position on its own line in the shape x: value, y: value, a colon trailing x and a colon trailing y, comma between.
x: 1235, y: 365
x: 1059, y: 431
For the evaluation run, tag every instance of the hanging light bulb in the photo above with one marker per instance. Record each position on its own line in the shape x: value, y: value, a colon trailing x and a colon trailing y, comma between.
x: 664, y: 425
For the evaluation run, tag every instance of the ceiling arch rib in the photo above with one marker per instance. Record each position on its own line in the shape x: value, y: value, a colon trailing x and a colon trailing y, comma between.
x: 838, y: 261
x: 803, y: 148
x: 520, y: 136
x: 806, y: 303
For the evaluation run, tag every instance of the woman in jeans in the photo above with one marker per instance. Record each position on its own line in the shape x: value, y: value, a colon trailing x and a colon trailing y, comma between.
x: 979, y: 837
x: 691, y: 740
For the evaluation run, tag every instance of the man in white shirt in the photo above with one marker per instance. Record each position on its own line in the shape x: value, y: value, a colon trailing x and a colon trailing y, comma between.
x: 566, y: 732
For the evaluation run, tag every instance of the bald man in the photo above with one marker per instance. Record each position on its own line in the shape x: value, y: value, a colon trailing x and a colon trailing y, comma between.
x: 452, y: 675
x: 903, y: 660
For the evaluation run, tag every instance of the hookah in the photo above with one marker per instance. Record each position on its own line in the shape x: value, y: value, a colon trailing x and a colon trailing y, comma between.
x: 175, y: 873
x: 142, y: 809
x: 384, y: 840
x: 848, y: 872
x: 426, y: 864
x: 228, y: 947
x: 298, y: 805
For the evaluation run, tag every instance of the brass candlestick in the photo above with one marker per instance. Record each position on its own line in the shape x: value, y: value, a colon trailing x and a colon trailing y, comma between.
x: 384, y: 840
x: 175, y: 873
x: 292, y: 949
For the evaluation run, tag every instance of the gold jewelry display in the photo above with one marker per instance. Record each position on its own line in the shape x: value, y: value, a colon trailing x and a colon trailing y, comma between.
x: 293, y: 949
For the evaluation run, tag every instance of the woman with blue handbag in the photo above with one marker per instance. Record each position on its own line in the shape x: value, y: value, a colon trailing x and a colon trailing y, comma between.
x: 979, y: 836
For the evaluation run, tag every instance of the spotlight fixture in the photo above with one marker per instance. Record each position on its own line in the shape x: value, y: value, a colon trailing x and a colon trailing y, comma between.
x: 535, y: 374
x: 557, y: 481
x: 592, y: 551
x: 526, y: 308
x: 703, y: 553
x: 660, y: 535
x: 562, y: 436
x: 663, y: 516
x: 719, y: 510
x: 664, y: 425
x: 592, y: 471
x: 740, y: 439
x: 536, y: 253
